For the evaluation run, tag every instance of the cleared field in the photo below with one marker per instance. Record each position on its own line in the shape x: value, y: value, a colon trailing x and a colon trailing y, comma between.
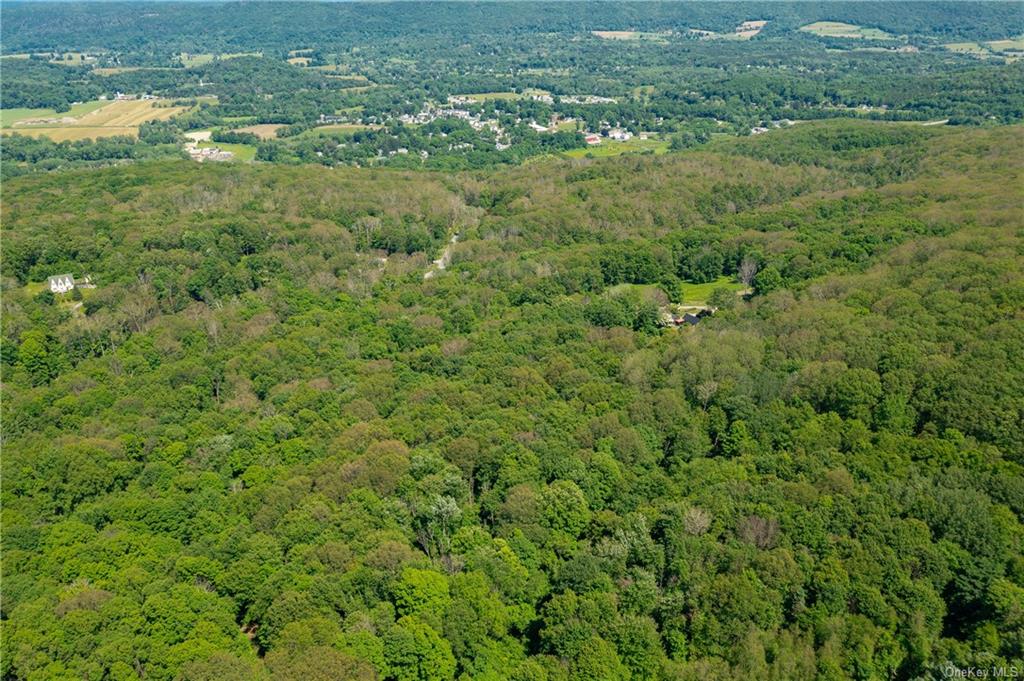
x: 265, y: 131
x: 1013, y: 45
x: 612, y: 148
x: 72, y: 58
x: 484, y: 96
x: 299, y: 61
x: 340, y: 127
x: 632, y: 35
x: 748, y: 29
x: 107, y: 120
x: 190, y: 60
x: 967, y: 48
x: 837, y: 29
x: 9, y: 117
x: 114, y: 70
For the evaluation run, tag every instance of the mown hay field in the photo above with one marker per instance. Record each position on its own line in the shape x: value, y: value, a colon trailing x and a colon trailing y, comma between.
x: 107, y: 120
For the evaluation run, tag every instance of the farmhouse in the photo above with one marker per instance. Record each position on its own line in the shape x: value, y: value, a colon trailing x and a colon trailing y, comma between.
x: 620, y: 135
x: 61, y: 283
x: 593, y: 139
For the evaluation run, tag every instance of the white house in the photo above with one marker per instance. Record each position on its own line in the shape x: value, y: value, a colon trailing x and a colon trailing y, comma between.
x: 620, y: 135
x: 62, y: 283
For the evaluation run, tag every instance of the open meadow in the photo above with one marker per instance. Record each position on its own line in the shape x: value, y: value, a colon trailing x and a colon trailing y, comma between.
x: 838, y: 29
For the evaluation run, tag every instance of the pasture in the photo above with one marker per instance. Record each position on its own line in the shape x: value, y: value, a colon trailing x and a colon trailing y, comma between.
x: 102, y: 119
x: 837, y: 29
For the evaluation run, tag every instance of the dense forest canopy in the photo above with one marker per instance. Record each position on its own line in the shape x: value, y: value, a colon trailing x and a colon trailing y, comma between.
x: 265, y: 444
x: 512, y: 351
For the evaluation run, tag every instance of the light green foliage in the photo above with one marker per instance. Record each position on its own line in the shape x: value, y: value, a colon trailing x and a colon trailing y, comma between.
x: 415, y: 652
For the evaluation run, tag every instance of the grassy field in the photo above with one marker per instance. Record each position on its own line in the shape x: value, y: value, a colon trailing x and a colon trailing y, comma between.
x: 612, y: 148
x: 73, y: 58
x: 698, y: 294
x: 242, y: 152
x: 1013, y: 45
x: 97, y: 119
x: 8, y: 117
x: 484, y: 96
x: 339, y: 127
x: 837, y: 29
x: 633, y: 36
x: 114, y: 70
x: 191, y: 60
x: 975, y: 49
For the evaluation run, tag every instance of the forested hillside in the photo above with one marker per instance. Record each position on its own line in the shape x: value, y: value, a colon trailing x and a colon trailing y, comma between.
x: 277, y: 441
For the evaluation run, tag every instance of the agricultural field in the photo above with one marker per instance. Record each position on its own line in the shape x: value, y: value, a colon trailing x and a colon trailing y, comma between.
x: 1012, y: 45
x: 265, y: 131
x: 837, y: 29
x: 9, y: 117
x: 748, y: 29
x: 989, y: 48
x: 102, y: 119
x: 613, y: 148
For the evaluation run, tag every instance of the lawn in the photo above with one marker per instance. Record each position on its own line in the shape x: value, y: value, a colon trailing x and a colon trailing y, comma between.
x: 613, y: 148
x: 698, y: 294
x: 837, y: 29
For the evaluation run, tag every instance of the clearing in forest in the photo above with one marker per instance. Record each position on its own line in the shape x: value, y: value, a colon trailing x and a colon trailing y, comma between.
x: 658, y: 37
x: 837, y: 29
